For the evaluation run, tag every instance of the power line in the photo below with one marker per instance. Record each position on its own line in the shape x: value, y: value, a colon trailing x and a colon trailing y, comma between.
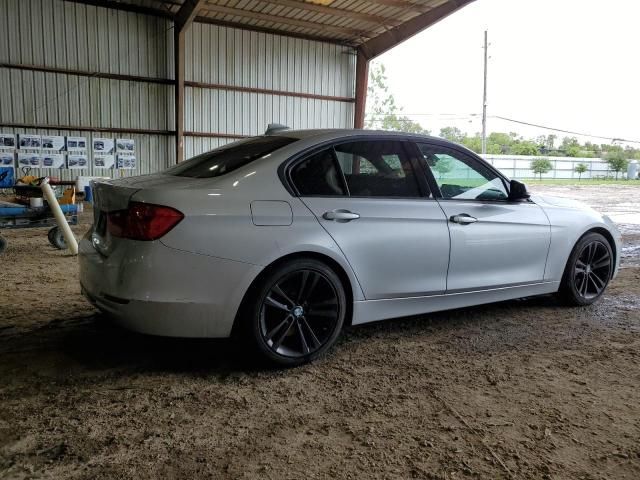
x: 521, y: 122
x: 507, y: 119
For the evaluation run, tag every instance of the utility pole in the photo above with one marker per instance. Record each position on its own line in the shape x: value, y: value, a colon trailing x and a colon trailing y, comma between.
x: 484, y: 97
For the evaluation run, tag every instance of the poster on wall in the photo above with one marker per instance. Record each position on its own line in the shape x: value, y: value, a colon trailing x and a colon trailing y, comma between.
x: 53, y: 160
x: 126, y: 162
x: 125, y: 145
x: 7, y: 159
x: 77, y: 161
x: 7, y: 141
x: 76, y: 144
x: 103, y: 161
x: 33, y: 160
x: 28, y: 141
x: 7, y: 177
x: 103, y: 146
x: 53, y: 143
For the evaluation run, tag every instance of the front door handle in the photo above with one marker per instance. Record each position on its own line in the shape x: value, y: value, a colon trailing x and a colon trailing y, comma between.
x: 463, y: 219
x: 340, y: 215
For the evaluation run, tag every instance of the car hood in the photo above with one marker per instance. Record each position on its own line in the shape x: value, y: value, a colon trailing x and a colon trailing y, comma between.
x: 550, y: 201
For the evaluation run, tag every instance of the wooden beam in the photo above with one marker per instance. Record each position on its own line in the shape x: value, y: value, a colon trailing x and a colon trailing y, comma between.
x: 181, y: 22
x: 266, y: 17
x: 362, y: 82
x: 389, y: 39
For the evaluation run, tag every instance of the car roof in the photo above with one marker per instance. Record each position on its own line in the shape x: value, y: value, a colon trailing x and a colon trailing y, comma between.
x: 336, y: 133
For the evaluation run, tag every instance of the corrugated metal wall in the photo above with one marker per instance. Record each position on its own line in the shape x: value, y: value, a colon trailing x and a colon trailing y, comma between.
x: 73, y: 36
x: 67, y: 35
x: 239, y: 58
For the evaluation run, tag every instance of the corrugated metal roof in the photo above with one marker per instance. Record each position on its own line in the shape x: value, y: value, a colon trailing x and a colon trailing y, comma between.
x: 350, y: 22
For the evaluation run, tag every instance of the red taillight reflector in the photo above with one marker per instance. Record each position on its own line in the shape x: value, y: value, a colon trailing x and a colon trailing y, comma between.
x: 143, y: 221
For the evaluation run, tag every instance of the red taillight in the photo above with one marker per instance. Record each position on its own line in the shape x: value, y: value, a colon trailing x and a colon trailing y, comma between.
x: 143, y: 221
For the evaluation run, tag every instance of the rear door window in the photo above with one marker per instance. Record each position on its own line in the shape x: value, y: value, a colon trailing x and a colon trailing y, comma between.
x: 229, y: 157
x: 318, y: 175
x: 377, y: 168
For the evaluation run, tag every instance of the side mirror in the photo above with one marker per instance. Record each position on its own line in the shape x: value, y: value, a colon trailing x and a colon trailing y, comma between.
x: 518, y: 191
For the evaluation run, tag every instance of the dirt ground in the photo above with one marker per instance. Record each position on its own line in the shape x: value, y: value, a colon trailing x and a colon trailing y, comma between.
x: 525, y: 389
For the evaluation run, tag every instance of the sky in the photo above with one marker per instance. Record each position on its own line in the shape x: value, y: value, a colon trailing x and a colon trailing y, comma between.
x: 568, y: 64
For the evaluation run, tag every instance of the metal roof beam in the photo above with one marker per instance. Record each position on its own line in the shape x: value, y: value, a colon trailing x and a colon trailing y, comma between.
x: 394, y: 36
x: 187, y: 13
x: 127, y: 7
x: 320, y: 27
x: 337, y: 12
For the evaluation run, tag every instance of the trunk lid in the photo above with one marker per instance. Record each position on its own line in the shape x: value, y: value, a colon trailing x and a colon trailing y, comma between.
x: 113, y: 195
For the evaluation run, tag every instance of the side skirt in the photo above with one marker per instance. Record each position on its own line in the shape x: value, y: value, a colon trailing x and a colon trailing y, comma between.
x: 367, y: 311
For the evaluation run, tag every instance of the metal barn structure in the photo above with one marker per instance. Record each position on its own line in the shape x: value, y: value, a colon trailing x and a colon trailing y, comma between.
x: 183, y: 76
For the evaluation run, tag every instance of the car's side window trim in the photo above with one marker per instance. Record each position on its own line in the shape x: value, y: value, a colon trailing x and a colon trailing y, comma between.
x: 284, y: 170
x: 473, y: 159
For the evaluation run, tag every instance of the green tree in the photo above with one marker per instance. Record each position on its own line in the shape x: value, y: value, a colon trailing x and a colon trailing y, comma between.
x: 443, y: 166
x: 617, y: 161
x: 525, y: 147
x: 383, y: 112
x: 453, y: 134
x: 580, y: 169
x: 541, y: 166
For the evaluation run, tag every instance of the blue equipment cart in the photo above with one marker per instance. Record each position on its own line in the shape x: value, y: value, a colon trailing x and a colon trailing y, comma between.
x: 15, y: 215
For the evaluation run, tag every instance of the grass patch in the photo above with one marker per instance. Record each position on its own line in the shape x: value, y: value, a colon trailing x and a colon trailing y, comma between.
x: 584, y: 181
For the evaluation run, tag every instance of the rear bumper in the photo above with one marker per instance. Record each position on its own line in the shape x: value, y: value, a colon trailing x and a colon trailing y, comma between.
x: 154, y: 289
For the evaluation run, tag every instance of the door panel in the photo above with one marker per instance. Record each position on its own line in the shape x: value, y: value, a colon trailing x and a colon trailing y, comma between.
x: 507, y: 245
x: 396, y: 247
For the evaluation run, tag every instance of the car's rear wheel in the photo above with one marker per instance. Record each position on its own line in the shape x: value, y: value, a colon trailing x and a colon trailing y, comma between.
x: 297, y: 312
x: 588, y: 270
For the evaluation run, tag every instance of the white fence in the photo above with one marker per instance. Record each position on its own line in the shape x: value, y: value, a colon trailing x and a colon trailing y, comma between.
x: 519, y: 166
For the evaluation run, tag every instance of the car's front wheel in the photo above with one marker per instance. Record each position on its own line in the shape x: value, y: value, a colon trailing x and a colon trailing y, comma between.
x: 297, y: 312
x: 588, y: 270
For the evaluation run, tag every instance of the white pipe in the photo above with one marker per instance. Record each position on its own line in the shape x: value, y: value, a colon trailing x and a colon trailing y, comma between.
x: 61, y: 220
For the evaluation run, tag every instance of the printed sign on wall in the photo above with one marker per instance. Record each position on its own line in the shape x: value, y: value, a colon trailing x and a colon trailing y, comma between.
x: 103, y: 161
x: 53, y: 160
x: 76, y: 144
x: 77, y: 161
x: 103, y: 146
x: 7, y: 141
x: 125, y: 145
x: 53, y: 143
x: 32, y: 160
x: 126, y: 162
x: 7, y: 159
x: 29, y: 141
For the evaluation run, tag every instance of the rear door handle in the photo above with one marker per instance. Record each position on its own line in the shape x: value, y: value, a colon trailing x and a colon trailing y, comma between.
x: 463, y: 219
x: 340, y: 215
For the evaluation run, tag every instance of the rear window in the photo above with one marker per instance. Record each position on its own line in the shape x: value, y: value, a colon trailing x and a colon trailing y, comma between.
x: 229, y: 157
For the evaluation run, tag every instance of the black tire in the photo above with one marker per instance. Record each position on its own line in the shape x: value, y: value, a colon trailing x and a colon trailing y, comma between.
x: 295, y: 313
x: 50, y: 233
x: 3, y: 244
x: 588, y: 270
x: 57, y: 238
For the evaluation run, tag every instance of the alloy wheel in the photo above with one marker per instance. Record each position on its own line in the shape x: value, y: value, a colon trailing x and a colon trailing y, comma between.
x: 592, y: 270
x: 300, y: 313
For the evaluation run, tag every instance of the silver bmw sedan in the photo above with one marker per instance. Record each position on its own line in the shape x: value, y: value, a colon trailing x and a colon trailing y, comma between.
x: 284, y: 238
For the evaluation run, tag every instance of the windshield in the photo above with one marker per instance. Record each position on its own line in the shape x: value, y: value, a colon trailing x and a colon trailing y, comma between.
x: 229, y: 157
